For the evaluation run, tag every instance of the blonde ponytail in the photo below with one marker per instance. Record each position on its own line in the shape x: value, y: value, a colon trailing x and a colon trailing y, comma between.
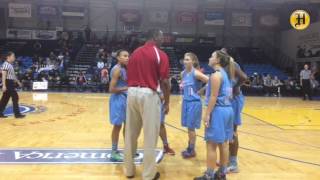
x: 231, y: 68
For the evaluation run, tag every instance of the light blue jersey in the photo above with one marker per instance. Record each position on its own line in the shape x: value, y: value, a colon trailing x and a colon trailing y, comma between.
x: 191, y: 111
x: 220, y: 127
x: 118, y: 102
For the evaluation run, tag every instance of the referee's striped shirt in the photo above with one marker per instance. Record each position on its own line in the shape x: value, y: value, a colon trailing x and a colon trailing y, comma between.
x: 10, y: 70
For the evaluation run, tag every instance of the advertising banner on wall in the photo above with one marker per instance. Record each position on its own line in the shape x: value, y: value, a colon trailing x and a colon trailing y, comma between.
x: 241, y: 19
x: 19, y: 10
x: 269, y: 20
x: 186, y: 17
x: 158, y: 16
x: 19, y: 34
x: 130, y: 16
x: 207, y: 40
x: 185, y: 40
x: 214, y: 18
x: 73, y: 11
x: 44, y: 35
x: 48, y: 11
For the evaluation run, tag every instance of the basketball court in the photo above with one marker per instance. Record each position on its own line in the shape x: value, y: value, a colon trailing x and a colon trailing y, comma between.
x: 279, y: 139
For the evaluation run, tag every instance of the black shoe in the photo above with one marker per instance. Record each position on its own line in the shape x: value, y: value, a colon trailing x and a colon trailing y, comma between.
x: 157, y: 176
x: 204, y: 177
x: 20, y: 116
x: 130, y: 177
x: 3, y: 116
x: 220, y: 176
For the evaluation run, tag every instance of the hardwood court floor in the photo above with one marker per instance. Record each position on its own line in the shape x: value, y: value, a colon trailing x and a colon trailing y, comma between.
x: 279, y: 139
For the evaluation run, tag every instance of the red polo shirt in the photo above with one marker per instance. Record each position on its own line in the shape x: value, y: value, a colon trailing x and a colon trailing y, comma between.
x: 147, y: 66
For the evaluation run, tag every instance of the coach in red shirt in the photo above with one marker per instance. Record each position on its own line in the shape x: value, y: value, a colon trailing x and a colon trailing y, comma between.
x: 147, y: 70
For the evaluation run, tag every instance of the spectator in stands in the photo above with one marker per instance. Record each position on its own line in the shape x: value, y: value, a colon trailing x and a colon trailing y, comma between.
x: 67, y: 58
x: 27, y: 80
x: 316, y: 79
x: 267, y: 85
x: 109, y: 60
x: 100, y: 65
x: 104, y: 57
x: 99, y: 53
x: 35, y: 58
x: 87, y: 32
x: 62, y: 65
x: 104, y: 75
x: 65, y: 79
x: 276, y: 86
x: 52, y: 56
x: 257, y: 81
x: 81, y: 81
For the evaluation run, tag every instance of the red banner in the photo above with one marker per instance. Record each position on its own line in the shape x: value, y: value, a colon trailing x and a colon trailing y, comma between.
x: 186, y: 17
x: 130, y: 16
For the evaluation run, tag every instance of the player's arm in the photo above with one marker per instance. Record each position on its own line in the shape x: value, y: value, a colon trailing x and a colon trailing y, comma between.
x: 200, y: 76
x: 114, y: 79
x: 203, y: 78
x: 247, y: 83
x: 165, y: 87
x: 242, y: 77
x: 215, y: 86
x: 164, y: 81
x: 202, y: 90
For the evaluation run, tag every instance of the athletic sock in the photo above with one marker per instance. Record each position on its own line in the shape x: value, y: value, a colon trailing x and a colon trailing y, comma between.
x: 165, y: 142
x: 210, y: 172
x: 233, y: 160
x: 191, y: 147
x: 115, y: 147
x: 223, y: 169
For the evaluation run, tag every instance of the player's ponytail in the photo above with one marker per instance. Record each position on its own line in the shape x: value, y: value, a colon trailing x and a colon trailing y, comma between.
x: 227, y: 63
x: 230, y: 68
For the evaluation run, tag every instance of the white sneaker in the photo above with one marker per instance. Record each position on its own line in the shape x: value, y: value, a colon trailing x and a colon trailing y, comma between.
x: 232, y: 169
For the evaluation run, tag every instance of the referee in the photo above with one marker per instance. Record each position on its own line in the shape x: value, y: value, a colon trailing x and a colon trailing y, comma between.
x: 8, y: 87
x: 305, y: 82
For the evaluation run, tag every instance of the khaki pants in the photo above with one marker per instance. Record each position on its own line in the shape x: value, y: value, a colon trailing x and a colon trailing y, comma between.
x: 143, y: 109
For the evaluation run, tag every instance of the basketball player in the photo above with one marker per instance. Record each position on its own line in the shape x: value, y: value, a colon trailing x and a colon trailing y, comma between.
x: 118, y: 101
x: 163, y: 131
x: 9, y: 80
x: 191, y: 104
x: 219, y: 115
x: 237, y: 105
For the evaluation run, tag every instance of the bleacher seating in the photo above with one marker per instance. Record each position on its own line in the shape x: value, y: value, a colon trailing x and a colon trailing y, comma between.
x: 250, y: 69
x: 25, y: 62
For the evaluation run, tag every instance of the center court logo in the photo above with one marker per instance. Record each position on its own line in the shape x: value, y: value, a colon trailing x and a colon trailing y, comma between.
x: 65, y: 156
x: 300, y: 19
x: 24, y: 109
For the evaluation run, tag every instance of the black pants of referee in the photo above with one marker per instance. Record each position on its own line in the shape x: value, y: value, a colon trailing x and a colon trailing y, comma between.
x: 306, y: 88
x: 11, y: 92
